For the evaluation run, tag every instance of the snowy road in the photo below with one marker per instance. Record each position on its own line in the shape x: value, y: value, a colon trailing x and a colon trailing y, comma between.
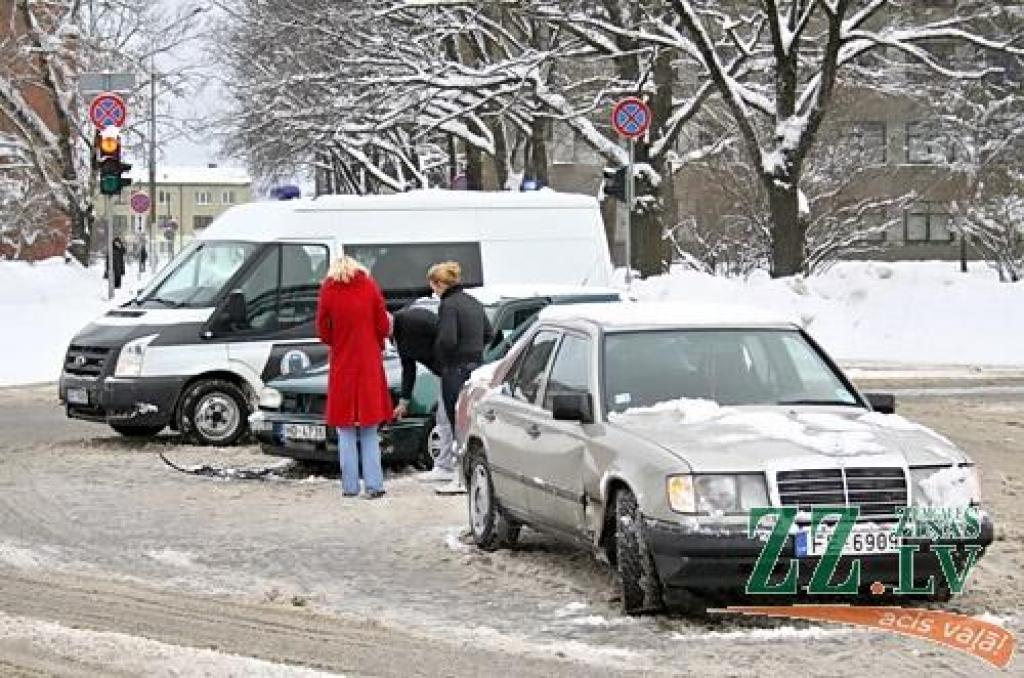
x: 110, y: 562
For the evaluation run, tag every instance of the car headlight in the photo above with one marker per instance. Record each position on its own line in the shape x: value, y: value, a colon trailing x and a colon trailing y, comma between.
x: 129, y: 362
x: 945, y: 486
x: 270, y: 399
x: 717, y: 493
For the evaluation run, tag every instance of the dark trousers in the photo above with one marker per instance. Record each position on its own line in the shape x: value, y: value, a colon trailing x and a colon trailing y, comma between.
x: 452, y: 379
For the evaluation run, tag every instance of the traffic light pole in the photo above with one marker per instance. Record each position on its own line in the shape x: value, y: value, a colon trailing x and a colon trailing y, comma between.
x: 110, y: 246
x: 629, y: 216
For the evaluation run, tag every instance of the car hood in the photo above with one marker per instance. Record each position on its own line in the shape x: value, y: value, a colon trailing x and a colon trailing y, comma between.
x: 710, y: 438
x: 314, y: 379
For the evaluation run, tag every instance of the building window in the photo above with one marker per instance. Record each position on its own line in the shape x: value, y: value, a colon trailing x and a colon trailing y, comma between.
x: 927, y: 222
x: 875, y: 226
x: 120, y: 224
x: 227, y: 198
x: 200, y: 222
x: 867, y: 141
x: 930, y: 144
x: 203, y: 198
x: 163, y: 197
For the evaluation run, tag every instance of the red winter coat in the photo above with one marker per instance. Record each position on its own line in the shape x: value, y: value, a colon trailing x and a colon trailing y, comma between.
x: 352, y: 320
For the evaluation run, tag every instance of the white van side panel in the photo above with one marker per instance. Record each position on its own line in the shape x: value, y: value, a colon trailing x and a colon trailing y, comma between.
x: 193, y: 358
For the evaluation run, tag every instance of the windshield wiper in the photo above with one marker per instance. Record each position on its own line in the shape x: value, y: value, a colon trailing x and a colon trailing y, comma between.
x: 165, y: 302
x: 809, y: 401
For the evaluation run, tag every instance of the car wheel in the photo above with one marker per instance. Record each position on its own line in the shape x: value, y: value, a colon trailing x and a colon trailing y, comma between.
x: 492, y: 529
x: 641, y: 588
x: 213, y: 412
x: 137, y: 431
x: 430, y: 449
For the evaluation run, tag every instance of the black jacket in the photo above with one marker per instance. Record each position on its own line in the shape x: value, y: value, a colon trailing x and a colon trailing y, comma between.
x: 463, y: 330
x: 415, y: 334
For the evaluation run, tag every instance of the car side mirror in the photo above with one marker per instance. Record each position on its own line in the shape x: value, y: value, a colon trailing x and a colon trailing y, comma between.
x: 573, y: 407
x: 882, y: 402
x: 234, y: 309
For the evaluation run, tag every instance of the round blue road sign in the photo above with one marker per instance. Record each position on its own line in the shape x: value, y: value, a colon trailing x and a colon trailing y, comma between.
x: 631, y: 117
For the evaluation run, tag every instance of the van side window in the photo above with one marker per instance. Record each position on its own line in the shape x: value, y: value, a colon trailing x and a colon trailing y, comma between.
x: 260, y: 290
x: 401, y: 268
x: 281, y: 290
x: 303, y: 268
x: 527, y: 377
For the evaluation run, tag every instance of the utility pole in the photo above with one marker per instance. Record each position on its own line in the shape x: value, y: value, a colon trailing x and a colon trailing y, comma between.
x: 152, y: 165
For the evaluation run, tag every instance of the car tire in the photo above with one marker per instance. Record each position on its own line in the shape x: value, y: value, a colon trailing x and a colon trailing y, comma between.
x: 640, y: 585
x: 492, y: 528
x: 137, y: 431
x: 213, y: 412
x: 428, y: 449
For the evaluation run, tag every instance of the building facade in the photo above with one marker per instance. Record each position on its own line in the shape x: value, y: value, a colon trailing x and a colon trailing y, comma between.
x: 187, y: 200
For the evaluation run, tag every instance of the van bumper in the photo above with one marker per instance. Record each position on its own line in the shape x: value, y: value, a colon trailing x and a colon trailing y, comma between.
x: 138, y: 401
x: 687, y: 559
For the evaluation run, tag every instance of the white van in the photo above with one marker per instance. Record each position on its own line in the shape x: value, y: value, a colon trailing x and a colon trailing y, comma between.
x: 236, y: 307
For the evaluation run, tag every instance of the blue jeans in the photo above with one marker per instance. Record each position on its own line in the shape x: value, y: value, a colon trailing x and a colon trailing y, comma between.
x: 369, y: 450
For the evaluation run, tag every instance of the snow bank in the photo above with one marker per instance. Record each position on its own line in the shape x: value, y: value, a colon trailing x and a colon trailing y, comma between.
x: 43, y: 305
x: 903, y: 312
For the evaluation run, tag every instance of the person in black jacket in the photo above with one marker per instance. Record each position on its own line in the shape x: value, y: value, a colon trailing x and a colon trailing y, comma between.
x: 415, y: 334
x: 463, y: 331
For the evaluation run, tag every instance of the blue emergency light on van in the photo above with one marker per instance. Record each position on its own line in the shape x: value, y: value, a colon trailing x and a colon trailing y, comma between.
x: 236, y: 307
x: 286, y: 192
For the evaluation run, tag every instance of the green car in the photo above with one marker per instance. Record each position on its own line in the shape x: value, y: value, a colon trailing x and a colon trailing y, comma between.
x: 290, y: 419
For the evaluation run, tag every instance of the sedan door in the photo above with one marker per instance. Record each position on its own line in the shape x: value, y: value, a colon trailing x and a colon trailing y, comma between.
x: 507, y: 420
x: 555, y: 457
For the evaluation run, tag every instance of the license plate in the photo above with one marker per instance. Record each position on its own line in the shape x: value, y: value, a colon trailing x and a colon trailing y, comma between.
x: 860, y: 542
x: 312, y: 432
x: 78, y: 396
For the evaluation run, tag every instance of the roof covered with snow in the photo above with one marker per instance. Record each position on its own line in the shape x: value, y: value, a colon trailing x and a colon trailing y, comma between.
x: 193, y: 176
x: 628, y: 315
x: 443, y: 199
x: 492, y: 294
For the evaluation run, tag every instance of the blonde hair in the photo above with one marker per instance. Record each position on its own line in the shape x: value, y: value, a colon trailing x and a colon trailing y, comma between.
x: 344, y: 268
x: 447, y: 273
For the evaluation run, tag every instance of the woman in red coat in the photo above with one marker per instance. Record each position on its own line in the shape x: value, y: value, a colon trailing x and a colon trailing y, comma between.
x: 352, y: 320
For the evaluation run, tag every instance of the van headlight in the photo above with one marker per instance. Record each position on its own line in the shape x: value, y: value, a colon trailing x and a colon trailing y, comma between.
x: 717, y: 493
x: 129, y: 362
x: 270, y: 399
x: 946, y: 486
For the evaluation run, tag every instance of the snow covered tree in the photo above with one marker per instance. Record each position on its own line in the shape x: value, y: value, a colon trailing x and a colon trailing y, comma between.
x: 776, y: 65
x: 43, y: 49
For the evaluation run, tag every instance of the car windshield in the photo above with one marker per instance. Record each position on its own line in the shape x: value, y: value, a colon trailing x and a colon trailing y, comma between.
x: 730, y: 367
x: 198, y: 274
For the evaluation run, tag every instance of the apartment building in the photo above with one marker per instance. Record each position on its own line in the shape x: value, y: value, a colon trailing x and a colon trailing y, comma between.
x: 188, y: 199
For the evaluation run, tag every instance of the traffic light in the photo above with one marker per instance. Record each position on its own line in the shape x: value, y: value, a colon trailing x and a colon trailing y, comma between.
x: 615, y: 182
x: 108, y: 158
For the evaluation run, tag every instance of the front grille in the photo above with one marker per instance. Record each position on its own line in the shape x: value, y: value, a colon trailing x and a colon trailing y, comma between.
x: 85, y: 361
x: 877, y: 491
x: 304, y: 403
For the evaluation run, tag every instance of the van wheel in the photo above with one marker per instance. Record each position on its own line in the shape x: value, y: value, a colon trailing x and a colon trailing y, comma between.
x: 492, y: 529
x: 137, y: 431
x: 641, y: 588
x: 213, y: 412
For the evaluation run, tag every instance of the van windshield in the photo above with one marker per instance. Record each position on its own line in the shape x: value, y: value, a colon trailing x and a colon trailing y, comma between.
x: 198, y: 274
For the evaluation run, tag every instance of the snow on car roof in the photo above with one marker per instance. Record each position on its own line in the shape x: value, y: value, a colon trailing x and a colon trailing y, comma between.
x: 492, y: 294
x: 631, y: 315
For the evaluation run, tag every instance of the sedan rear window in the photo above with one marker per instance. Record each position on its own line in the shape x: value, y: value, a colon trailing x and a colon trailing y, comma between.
x: 730, y: 367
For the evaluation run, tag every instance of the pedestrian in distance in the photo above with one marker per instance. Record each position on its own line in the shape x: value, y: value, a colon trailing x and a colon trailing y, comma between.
x: 117, y: 263
x: 463, y: 331
x: 143, y: 256
x: 353, y: 321
x: 415, y: 336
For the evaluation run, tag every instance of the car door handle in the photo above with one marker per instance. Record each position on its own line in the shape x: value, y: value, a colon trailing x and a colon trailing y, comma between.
x: 533, y: 430
x: 489, y: 415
